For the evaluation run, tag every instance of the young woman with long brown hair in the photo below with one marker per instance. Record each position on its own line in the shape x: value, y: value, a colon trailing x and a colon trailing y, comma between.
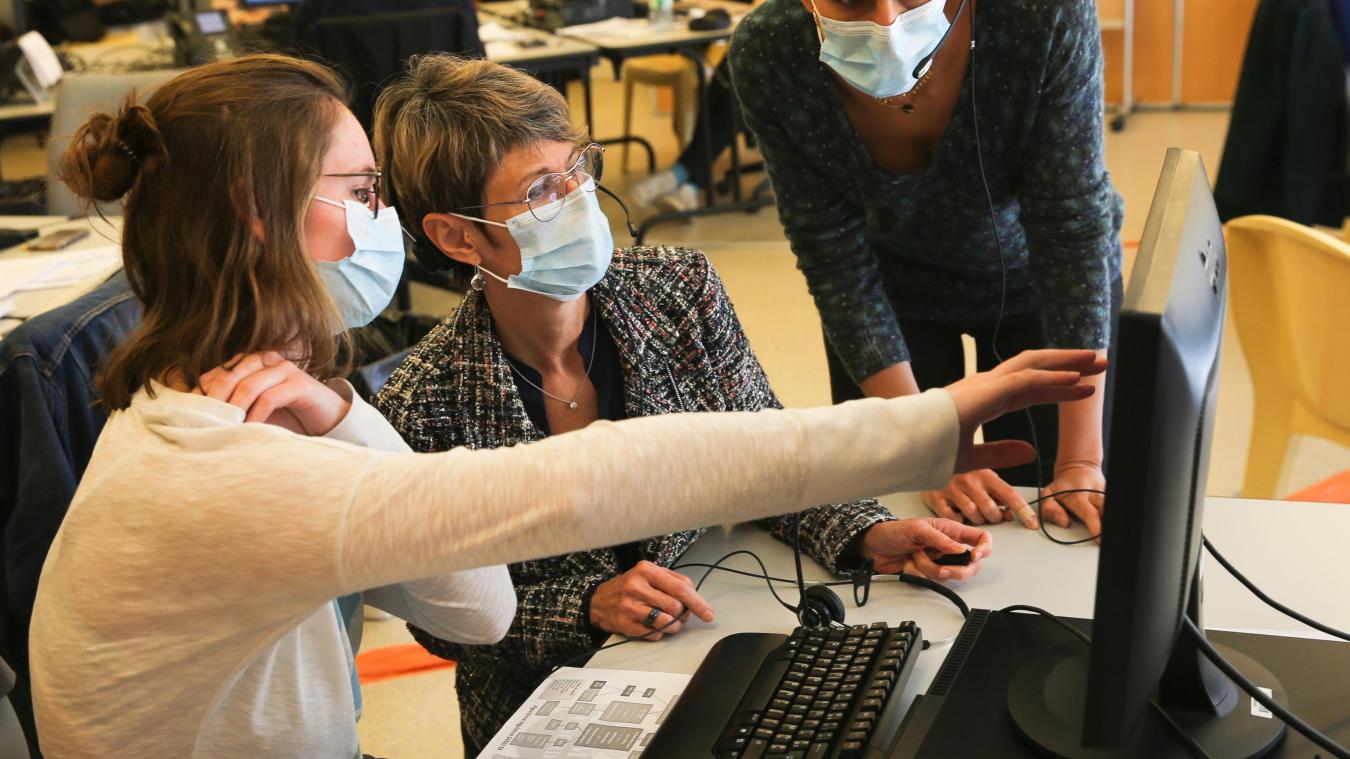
x: 187, y: 606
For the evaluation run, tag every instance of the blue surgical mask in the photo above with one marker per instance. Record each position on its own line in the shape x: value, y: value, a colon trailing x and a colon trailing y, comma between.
x: 881, y: 60
x: 363, y: 283
x: 564, y: 257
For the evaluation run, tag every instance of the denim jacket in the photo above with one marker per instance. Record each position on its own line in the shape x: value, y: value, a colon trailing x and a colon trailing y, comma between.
x: 49, y: 422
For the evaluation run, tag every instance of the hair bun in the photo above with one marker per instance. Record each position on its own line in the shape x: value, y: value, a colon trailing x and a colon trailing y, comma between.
x: 108, y: 153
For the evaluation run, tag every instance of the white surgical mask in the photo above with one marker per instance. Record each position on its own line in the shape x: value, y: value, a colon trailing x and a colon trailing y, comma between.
x: 565, y: 256
x: 363, y: 283
x: 881, y: 60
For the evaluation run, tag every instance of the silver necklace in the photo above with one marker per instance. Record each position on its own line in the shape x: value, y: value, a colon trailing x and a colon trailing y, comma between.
x: 572, y: 404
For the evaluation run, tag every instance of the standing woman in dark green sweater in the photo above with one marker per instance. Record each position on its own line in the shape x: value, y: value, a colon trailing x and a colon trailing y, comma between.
x: 907, y: 241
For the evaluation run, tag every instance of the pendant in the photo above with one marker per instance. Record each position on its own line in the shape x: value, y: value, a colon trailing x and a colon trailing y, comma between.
x: 907, y: 108
x: 572, y: 405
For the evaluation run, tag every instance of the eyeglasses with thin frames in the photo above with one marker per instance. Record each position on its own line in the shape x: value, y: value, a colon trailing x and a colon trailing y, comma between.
x: 372, y: 193
x: 543, y: 194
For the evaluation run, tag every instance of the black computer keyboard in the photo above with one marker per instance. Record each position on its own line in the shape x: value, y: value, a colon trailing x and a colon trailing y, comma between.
x: 831, y: 693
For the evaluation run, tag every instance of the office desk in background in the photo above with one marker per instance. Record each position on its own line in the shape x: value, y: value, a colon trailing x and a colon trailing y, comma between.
x: 30, y: 303
x: 1291, y: 550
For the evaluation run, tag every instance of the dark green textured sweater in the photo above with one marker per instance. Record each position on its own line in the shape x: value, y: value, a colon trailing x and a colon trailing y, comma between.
x: 876, y: 247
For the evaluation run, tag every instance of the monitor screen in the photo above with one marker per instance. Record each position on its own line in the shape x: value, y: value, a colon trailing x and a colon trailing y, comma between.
x: 212, y: 22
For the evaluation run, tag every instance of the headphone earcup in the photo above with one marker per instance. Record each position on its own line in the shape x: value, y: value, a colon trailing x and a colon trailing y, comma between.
x: 820, y: 606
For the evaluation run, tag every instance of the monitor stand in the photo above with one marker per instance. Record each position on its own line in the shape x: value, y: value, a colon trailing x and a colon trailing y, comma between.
x: 1046, y: 700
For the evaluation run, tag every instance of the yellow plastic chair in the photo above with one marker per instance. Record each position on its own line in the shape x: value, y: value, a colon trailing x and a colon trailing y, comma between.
x: 1290, y: 288
x: 673, y: 71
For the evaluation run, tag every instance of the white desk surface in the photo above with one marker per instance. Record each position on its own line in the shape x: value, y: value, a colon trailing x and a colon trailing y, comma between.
x: 513, y: 53
x: 34, y: 302
x: 1289, y: 549
x: 678, y: 33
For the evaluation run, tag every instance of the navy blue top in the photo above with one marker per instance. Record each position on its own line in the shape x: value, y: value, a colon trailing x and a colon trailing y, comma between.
x: 606, y: 376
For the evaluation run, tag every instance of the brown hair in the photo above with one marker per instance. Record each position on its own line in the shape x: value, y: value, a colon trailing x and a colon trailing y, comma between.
x: 210, y: 155
x: 443, y: 129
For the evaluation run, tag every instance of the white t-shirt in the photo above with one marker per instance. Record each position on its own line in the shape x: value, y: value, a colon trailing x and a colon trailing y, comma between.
x: 185, y: 606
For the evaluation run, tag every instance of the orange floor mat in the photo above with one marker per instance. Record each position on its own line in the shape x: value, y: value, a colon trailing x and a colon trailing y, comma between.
x: 386, y: 663
x: 1334, y: 489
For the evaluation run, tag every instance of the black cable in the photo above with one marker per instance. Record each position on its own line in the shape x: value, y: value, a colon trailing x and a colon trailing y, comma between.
x: 764, y: 573
x: 627, y: 217
x: 797, y: 559
x: 1190, y: 743
x: 1286, y: 716
x: 904, y: 578
x: 1056, y: 494
x: 1272, y: 603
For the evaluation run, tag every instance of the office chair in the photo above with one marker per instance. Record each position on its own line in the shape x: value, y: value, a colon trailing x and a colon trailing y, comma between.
x: 370, y: 49
x: 1288, y: 284
x: 77, y: 98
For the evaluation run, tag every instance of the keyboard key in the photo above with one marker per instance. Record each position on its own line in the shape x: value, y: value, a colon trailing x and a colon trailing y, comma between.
x: 780, y: 703
x: 850, y: 749
x: 799, y: 709
x: 770, y: 723
x: 777, y: 748
x: 855, y: 735
x: 818, y: 750
x: 755, y: 749
x: 774, y: 713
x: 764, y: 733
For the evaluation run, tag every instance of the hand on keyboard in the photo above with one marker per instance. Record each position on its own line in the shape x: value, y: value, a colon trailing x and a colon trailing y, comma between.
x: 910, y: 545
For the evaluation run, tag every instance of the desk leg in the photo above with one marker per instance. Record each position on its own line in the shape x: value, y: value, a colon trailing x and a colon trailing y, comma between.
x: 704, y: 121
x: 586, y: 91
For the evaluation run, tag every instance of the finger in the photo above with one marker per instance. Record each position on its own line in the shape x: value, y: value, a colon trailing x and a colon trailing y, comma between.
x: 983, y: 546
x: 636, y: 611
x: 980, y: 541
x: 272, y: 399
x: 968, y: 508
x: 1017, y: 505
x: 649, y: 598
x: 1000, y: 454
x: 1083, y: 361
x: 926, y: 567
x: 676, y: 586
x: 930, y: 536
x: 1081, y: 507
x: 939, y: 505
x: 977, y: 493
x: 230, y: 374
x: 247, y: 390
x: 1053, y: 513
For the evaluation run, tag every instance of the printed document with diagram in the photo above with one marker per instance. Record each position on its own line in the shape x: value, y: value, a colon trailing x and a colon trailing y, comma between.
x: 588, y: 713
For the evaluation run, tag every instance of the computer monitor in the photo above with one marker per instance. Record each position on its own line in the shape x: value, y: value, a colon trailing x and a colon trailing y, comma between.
x: 1166, y: 357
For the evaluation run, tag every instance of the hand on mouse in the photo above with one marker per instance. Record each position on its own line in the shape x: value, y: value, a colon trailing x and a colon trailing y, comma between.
x: 910, y: 545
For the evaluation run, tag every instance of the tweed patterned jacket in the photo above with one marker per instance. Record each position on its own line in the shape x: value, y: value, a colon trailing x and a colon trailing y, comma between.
x: 681, y: 349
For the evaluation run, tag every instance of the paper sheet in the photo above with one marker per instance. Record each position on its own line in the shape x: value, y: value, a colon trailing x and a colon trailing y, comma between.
x: 495, y: 32
x: 41, y: 58
x: 44, y: 271
x: 624, y: 28
x: 579, y: 713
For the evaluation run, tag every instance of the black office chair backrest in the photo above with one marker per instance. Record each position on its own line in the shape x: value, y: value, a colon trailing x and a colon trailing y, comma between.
x: 371, y: 49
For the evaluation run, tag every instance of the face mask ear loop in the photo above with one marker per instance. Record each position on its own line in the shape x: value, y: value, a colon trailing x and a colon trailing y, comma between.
x: 627, y: 217
x: 815, y: 16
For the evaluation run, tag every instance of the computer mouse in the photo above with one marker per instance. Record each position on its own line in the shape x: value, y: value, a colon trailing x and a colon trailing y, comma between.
x: 713, y: 20
x: 953, y: 559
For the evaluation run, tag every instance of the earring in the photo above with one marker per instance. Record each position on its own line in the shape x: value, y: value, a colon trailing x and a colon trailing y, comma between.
x: 477, y: 282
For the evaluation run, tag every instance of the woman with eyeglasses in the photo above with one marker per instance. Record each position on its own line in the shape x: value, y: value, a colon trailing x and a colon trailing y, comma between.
x: 560, y: 329
x: 939, y: 172
x: 241, y: 500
